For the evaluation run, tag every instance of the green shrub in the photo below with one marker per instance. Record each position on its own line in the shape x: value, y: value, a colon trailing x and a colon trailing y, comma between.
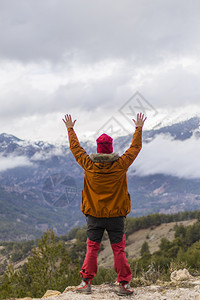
x: 104, y: 275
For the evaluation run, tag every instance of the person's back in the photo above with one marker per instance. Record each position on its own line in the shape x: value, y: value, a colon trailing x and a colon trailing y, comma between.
x: 105, y: 200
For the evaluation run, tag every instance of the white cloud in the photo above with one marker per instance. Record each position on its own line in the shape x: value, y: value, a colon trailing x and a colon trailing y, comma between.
x: 11, y: 162
x: 167, y: 156
x: 43, y: 155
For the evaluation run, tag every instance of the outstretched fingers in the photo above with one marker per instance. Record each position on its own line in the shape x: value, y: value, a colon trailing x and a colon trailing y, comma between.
x: 68, y: 121
x: 140, y: 120
x: 68, y: 117
x: 140, y: 116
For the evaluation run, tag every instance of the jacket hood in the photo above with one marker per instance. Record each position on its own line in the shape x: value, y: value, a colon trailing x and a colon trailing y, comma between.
x: 100, y: 157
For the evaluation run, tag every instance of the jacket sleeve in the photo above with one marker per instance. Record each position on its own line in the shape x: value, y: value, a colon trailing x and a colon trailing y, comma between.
x: 130, y: 155
x: 79, y: 153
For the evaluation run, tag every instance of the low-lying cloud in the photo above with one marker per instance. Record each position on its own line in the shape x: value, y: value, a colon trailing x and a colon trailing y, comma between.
x: 11, y: 162
x: 171, y: 157
x: 45, y: 155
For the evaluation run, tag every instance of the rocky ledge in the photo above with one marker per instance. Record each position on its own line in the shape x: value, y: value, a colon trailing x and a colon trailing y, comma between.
x: 182, y: 286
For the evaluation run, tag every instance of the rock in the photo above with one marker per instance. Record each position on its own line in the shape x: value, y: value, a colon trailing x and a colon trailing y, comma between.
x: 180, y: 275
x: 70, y: 289
x: 51, y: 293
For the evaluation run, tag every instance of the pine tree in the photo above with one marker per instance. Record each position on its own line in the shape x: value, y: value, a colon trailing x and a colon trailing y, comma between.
x: 49, y: 267
x: 145, y: 249
x: 44, y: 267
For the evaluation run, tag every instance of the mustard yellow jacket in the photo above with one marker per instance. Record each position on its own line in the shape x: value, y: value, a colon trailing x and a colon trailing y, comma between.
x: 105, y: 192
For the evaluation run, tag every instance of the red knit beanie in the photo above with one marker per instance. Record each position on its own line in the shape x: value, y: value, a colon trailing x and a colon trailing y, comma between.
x: 104, y: 144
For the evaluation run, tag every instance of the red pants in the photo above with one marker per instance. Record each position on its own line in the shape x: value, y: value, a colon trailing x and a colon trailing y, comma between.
x: 89, y: 268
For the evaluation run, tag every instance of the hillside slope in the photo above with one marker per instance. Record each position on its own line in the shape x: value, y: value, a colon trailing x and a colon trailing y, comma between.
x: 134, y: 242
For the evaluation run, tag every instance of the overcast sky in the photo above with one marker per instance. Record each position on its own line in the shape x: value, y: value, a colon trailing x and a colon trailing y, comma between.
x: 88, y: 57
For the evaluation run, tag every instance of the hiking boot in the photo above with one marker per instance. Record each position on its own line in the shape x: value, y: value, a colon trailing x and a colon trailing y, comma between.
x: 124, y: 289
x: 84, y: 287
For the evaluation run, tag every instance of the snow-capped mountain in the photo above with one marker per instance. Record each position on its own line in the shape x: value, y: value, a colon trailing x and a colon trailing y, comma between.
x: 179, y: 131
x: 10, y: 144
x: 168, y: 117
